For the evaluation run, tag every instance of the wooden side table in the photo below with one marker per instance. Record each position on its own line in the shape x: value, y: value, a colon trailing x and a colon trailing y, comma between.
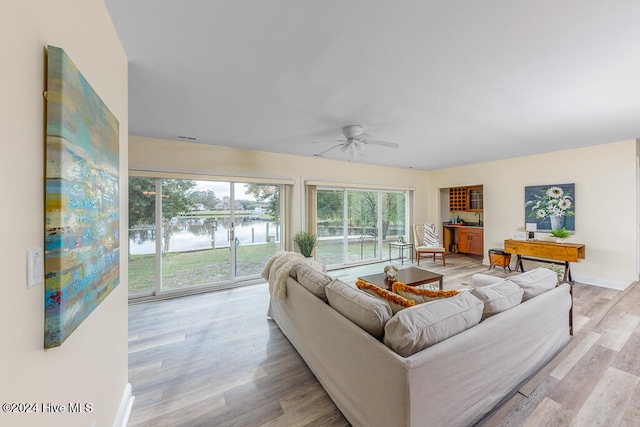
x: 500, y: 258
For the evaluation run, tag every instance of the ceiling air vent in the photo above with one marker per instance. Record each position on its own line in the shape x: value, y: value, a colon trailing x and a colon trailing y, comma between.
x: 187, y: 138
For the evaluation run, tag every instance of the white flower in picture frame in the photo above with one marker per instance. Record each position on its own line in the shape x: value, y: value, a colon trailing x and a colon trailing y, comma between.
x: 553, y: 202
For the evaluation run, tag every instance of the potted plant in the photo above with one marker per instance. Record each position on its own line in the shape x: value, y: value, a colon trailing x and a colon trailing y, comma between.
x: 559, y: 271
x: 560, y: 234
x: 306, y: 242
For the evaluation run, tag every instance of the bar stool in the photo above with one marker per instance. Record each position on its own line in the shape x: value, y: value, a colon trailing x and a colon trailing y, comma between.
x: 500, y: 258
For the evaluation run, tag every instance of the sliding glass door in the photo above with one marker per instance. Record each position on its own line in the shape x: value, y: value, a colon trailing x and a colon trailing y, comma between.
x: 142, y: 236
x: 362, y: 231
x: 188, y: 234
x: 257, y: 228
x: 353, y: 225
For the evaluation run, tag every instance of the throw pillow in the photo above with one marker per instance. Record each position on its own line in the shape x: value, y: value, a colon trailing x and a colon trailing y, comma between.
x: 430, y: 237
x: 421, y: 295
x: 369, y: 313
x: 396, y: 302
x: 313, y: 280
x: 535, y: 282
x: 498, y: 297
x: 424, y: 325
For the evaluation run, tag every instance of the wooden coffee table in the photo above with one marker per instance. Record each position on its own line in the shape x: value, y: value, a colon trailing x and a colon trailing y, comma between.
x: 411, y: 276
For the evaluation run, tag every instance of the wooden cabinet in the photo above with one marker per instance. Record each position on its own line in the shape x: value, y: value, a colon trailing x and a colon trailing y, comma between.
x: 466, y: 199
x: 470, y: 241
x: 475, y: 199
x: 457, y: 199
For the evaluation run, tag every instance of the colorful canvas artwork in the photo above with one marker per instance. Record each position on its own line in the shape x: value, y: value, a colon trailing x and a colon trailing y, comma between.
x: 82, y: 242
x: 551, y: 207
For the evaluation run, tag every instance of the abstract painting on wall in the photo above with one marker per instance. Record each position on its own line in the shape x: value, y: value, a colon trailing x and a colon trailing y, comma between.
x: 82, y: 241
x: 551, y: 207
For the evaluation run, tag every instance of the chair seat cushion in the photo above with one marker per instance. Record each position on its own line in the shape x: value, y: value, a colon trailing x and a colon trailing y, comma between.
x: 429, y: 249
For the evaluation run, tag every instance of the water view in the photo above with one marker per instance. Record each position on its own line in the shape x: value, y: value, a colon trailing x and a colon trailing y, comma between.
x: 205, y: 233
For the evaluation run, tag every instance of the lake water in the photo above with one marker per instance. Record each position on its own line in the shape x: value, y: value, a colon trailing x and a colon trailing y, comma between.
x: 194, y: 234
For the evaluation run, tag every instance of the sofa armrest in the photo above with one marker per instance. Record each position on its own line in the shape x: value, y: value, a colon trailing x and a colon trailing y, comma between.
x: 480, y: 279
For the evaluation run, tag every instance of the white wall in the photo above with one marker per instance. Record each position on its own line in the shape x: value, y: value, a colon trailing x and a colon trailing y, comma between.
x: 91, y: 365
x: 606, y: 203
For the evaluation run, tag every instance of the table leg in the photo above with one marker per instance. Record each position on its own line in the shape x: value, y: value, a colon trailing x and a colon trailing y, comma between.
x: 441, y: 284
x: 571, y: 310
x: 567, y: 272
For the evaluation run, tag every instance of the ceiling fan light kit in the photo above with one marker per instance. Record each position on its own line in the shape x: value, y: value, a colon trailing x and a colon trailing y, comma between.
x: 352, y: 131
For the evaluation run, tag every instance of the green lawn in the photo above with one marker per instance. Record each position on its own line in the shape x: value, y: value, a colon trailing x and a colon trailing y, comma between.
x: 184, y: 269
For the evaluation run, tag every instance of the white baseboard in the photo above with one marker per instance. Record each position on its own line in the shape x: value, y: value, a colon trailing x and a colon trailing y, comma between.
x: 605, y: 283
x: 595, y: 281
x: 124, y: 411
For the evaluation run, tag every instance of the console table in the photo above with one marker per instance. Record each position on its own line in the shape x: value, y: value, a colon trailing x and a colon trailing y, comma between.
x: 537, y: 250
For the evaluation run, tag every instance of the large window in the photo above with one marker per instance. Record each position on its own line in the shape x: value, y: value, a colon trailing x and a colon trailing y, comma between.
x: 193, y: 233
x: 354, y: 225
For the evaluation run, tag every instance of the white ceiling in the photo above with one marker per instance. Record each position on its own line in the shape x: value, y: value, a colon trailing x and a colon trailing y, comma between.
x: 452, y: 82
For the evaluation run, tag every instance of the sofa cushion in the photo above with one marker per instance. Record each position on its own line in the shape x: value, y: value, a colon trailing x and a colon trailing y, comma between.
x: 424, y: 325
x: 481, y: 279
x: 312, y: 280
x: 421, y: 295
x: 498, y: 297
x: 535, y: 282
x: 366, y: 311
x: 396, y: 302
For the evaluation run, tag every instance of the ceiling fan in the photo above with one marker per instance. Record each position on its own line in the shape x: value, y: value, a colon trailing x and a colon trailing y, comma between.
x: 355, y: 141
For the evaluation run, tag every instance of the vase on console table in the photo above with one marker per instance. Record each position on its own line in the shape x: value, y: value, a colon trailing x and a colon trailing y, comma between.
x: 557, y: 221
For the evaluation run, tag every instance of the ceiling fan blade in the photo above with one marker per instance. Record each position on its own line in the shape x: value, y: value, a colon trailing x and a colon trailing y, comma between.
x: 329, y: 140
x: 382, y: 143
x: 327, y: 150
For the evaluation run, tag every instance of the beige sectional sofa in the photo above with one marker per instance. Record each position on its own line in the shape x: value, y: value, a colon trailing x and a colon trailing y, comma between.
x: 454, y: 382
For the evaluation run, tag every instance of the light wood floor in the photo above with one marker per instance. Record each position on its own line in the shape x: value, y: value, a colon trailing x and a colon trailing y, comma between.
x: 216, y: 360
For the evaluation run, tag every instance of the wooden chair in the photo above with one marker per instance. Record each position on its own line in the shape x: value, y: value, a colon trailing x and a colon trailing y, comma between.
x: 428, y: 243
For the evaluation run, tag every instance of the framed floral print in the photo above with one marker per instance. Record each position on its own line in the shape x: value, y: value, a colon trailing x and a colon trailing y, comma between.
x: 551, y: 207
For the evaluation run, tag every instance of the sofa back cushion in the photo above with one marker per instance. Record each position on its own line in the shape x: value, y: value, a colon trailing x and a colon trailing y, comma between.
x: 535, y: 282
x: 416, y: 328
x: 366, y: 311
x: 498, y: 297
x: 396, y: 302
x: 312, y: 280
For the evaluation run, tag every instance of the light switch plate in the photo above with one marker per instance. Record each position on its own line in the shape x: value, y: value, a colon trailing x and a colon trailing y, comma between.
x: 35, y: 267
